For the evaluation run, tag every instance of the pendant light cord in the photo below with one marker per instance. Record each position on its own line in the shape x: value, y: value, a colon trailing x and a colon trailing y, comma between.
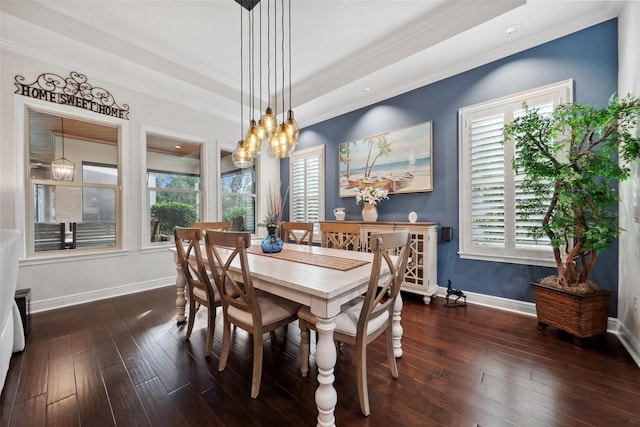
x: 290, y: 89
x: 282, y: 47
x: 62, y: 118
x: 241, y: 80
x: 268, y: 52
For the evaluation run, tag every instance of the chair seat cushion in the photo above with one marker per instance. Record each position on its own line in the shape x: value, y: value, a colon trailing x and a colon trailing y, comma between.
x: 272, y: 308
x: 201, y: 294
x: 347, y: 319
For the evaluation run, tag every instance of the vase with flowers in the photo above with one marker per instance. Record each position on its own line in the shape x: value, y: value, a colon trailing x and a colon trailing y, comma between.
x: 370, y: 195
x: 272, y: 243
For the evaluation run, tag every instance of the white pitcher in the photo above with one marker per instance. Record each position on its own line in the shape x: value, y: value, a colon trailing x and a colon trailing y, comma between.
x: 339, y: 213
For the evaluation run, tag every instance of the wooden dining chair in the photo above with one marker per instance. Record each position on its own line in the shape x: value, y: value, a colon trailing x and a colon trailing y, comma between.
x: 364, y: 319
x: 340, y: 235
x: 247, y: 308
x: 297, y: 232
x: 201, y: 292
x: 218, y: 225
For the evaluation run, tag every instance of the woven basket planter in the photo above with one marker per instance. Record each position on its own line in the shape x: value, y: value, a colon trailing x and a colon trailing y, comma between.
x: 582, y: 316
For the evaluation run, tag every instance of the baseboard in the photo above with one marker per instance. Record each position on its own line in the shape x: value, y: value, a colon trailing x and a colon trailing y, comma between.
x: 629, y: 342
x: 520, y: 307
x: 84, y: 297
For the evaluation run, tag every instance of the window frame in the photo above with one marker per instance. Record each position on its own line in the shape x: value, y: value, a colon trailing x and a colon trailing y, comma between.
x: 98, y: 185
x: 558, y: 93
x: 254, y: 195
x: 145, y: 131
x: 23, y: 206
x: 319, y: 151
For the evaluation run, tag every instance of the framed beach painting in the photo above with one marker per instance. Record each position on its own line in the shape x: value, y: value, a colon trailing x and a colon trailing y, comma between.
x: 399, y: 161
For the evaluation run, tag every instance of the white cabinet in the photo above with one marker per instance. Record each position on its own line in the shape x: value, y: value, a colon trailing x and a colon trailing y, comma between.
x: 422, y: 268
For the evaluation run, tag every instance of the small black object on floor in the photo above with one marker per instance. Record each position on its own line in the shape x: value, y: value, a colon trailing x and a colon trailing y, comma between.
x: 454, y: 296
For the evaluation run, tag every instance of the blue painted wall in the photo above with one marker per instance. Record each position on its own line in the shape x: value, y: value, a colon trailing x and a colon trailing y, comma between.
x: 589, y: 57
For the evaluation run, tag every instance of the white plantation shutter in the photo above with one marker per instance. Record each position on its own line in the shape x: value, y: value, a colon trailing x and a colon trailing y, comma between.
x: 490, y: 228
x: 306, y: 185
x: 487, y: 182
x: 522, y: 237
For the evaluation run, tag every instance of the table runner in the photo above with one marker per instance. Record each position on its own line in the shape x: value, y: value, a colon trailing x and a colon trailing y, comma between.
x: 319, y: 260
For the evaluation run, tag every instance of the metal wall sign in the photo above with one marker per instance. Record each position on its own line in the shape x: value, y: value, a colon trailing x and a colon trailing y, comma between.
x: 73, y: 90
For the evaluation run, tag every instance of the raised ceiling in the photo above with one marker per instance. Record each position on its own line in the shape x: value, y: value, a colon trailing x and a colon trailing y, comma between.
x: 187, y: 51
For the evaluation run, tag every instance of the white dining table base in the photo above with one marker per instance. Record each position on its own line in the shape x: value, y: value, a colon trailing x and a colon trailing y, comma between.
x: 396, y: 327
x: 326, y: 356
x: 181, y: 300
x: 326, y: 395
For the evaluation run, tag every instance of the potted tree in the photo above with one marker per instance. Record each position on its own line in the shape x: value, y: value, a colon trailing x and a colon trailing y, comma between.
x: 570, y: 164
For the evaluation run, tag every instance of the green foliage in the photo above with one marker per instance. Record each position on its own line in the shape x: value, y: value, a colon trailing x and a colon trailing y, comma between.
x: 181, y: 182
x: 573, y: 155
x: 172, y: 215
x: 231, y: 213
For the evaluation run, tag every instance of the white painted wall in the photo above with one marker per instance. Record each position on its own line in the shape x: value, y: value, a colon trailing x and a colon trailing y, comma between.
x: 156, y: 102
x: 629, y: 208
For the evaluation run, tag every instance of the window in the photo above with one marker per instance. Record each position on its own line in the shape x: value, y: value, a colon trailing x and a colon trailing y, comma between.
x: 306, y: 187
x: 173, y: 185
x: 239, y: 197
x: 81, y: 213
x: 490, y: 189
x: 98, y: 203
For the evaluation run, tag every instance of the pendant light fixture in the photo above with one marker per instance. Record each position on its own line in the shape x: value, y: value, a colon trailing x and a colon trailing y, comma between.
x: 280, y: 139
x: 292, y: 126
x: 63, y: 169
x: 240, y: 156
x: 252, y: 140
x: 268, y: 119
x: 281, y: 145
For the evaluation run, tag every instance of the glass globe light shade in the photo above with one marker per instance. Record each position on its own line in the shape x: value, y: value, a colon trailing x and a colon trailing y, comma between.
x: 279, y: 145
x: 292, y: 127
x: 268, y: 121
x: 240, y: 157
x: 252, y: 141
x: 261, y: 131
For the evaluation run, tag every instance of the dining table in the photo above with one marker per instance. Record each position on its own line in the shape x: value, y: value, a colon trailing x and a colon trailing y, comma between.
x: 321, y: 278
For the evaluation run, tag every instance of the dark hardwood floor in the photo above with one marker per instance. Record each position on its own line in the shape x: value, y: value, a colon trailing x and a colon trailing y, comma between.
x: 123, y: 361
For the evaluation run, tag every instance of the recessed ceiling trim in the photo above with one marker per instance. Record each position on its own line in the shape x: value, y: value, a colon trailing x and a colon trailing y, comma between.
x: 423, y: 32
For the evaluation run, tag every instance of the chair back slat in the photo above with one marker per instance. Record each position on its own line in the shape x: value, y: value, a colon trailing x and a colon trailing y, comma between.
x: 223, y: 248
x: 340, y: 235
x: 304, y: 229
x: 187, y: 241
x: 383, y: 291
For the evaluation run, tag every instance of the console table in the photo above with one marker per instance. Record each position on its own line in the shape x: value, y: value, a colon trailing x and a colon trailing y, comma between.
x: 422, y: 268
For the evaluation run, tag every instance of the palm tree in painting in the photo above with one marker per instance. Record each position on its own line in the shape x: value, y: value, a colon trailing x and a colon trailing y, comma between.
x: 344, y: 153
x: 383, y: 146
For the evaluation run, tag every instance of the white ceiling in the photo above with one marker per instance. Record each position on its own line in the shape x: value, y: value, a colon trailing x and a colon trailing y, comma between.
x: 339, y: 47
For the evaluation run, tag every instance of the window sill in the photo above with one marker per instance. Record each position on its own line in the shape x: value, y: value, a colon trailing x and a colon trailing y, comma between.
x: 68, y: 256
x: 541, y: 262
